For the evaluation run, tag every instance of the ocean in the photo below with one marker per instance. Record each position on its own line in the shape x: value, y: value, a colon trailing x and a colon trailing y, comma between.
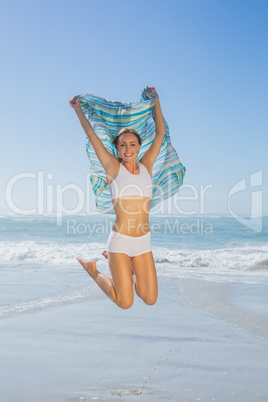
x: 210, y: 248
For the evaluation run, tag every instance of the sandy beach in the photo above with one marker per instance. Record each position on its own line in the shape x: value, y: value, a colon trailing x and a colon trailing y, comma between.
x: 202, y: 341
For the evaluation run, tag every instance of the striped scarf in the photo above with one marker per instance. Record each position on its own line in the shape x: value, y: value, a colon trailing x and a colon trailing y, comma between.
x: 107, y: 118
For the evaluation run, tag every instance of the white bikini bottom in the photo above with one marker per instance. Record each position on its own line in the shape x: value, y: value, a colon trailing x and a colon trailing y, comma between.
x: 132, y: 246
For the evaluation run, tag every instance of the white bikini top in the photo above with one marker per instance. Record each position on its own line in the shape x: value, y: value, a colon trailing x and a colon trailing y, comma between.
x: 127, y: 184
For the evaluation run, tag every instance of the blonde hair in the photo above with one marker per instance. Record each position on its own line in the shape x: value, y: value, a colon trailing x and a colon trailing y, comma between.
x: 126, y: 130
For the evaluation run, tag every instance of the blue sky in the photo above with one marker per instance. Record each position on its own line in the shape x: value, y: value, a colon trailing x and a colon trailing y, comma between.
x: 207, y: 59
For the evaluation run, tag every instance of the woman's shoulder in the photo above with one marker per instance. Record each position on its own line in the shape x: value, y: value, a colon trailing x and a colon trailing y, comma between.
x: 147, y: 165
x: 112, y: 171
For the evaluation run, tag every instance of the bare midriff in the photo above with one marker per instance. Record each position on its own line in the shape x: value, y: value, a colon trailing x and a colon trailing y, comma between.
x: 132, y: 215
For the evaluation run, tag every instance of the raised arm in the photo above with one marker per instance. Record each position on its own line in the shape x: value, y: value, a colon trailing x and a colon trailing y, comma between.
x: 104, y: 156
x: 160, y: 131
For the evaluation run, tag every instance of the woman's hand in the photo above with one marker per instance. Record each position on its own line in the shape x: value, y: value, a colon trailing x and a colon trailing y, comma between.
x: 152, y: 89
x: 74, y: 103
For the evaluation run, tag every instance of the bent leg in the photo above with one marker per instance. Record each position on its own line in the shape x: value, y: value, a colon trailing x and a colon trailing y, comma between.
x: 146, y: 280
x: 119, y: 289
x: 104, y: 282
x: 121, y: 271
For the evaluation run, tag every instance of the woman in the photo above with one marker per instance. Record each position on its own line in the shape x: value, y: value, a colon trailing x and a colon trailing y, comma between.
x: 129, y: 252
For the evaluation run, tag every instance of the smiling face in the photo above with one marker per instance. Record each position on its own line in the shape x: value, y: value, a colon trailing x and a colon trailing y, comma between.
x: 128, y: 147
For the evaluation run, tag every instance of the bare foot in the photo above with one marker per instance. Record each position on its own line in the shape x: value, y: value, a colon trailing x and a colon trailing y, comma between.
x: 105, y: 254
x: 89, y: 266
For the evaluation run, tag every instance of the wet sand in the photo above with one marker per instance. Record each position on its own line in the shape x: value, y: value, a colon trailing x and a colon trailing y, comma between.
x: 202, y: 341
